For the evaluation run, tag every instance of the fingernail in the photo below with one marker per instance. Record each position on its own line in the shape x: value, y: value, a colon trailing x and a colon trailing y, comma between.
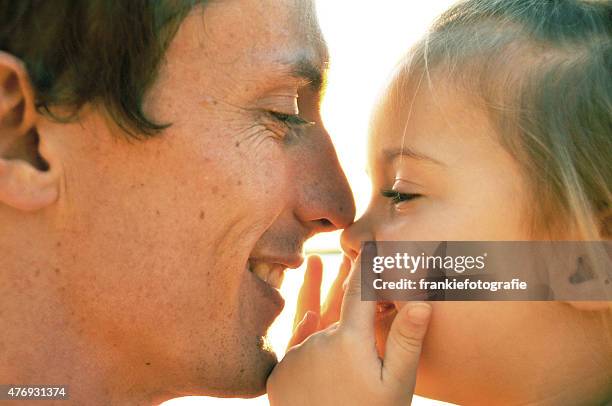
x: 419, y: 313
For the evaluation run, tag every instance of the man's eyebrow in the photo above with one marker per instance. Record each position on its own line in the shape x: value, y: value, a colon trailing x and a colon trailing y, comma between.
x: 393, y: 153
x: 307, y: 69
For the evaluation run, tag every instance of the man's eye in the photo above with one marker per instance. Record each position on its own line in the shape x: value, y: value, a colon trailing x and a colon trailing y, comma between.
x: 291, y: 120
x: 397, y: 197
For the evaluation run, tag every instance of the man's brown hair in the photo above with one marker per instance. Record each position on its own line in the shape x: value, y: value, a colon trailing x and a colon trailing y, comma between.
x: 99, y: 51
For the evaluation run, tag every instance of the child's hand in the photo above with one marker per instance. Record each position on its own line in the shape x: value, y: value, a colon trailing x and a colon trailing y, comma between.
x: 340, y: 366
x: 310, y: 317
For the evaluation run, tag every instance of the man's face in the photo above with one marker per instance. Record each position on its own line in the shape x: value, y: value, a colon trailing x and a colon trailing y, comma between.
x: 155, y: 238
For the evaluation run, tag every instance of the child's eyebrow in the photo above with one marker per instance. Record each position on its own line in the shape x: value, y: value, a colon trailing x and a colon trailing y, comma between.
x: 391, y: 154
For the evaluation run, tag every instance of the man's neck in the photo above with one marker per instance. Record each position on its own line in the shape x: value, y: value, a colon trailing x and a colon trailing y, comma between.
x: 42, y: 343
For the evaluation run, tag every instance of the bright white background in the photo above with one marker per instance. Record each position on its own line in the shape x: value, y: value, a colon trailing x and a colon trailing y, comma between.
x: 365, y: 39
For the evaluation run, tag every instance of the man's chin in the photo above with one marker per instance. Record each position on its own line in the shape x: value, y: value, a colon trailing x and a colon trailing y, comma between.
x: 249, y: 379
x: 254, y: 381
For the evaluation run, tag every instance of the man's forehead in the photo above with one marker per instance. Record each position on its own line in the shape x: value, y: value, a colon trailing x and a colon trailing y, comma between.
x: 291, y: 26
x: 306, y: 21
x: 276, y: 36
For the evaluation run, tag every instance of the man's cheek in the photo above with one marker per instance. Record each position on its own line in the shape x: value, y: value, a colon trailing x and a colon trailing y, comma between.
x: 269, y: 176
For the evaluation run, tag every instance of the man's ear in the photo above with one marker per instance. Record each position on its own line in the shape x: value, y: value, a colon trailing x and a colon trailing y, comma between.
x: 28, y: 177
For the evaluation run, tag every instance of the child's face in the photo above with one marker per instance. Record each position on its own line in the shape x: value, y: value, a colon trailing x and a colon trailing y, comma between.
x: 470, y: 189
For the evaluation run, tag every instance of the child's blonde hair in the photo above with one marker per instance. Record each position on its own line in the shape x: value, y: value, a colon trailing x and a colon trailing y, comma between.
x: 543, y: 71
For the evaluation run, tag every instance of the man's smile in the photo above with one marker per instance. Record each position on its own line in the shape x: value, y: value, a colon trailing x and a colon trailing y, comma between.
x: 272, y: 270
x: 272, y: 274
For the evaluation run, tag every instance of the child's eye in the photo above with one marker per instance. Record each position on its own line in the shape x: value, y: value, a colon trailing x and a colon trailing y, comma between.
x: 398, y: 197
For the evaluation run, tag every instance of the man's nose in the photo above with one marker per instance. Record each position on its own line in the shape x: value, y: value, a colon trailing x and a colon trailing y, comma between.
x: 325, y: 200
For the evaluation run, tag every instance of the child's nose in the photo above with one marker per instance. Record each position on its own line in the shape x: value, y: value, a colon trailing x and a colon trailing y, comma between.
x: 352, y: 237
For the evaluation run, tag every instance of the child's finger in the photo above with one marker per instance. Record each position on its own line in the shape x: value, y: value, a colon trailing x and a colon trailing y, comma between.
x: 309, y: 298
x: 357, y: 315
x: 330, y: 312
x: 309, y: 325
x: 403, y: 347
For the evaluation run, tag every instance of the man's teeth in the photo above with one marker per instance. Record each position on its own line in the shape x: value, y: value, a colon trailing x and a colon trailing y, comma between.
x: 272, y: 274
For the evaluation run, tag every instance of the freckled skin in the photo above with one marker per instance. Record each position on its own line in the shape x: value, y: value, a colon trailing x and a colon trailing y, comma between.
x: 152, y: 237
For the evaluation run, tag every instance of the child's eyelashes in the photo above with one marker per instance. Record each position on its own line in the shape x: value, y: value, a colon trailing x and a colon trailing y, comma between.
x: 399, y: 197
